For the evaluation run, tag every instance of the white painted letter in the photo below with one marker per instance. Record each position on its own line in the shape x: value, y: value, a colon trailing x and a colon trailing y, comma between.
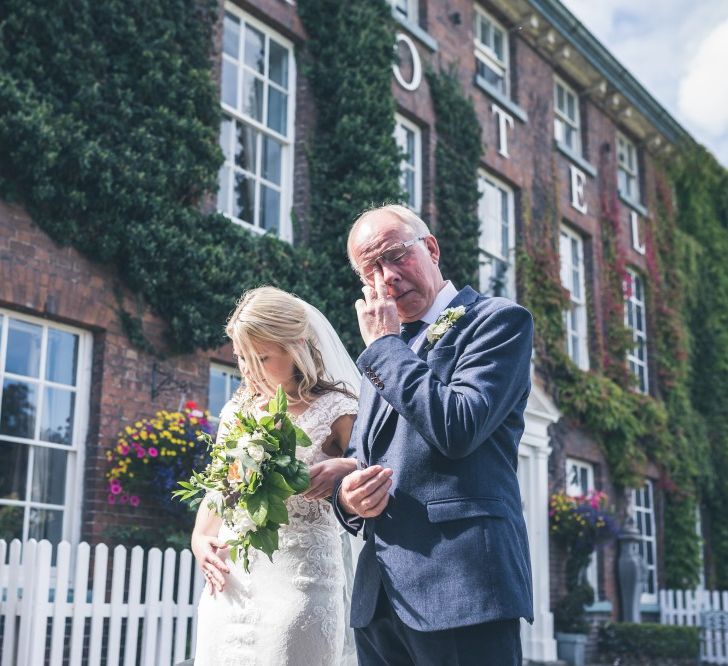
x: 578, y: 180
x: 504, y: 120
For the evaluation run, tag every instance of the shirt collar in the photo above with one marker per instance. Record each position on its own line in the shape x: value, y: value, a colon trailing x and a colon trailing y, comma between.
x: 442, y: 300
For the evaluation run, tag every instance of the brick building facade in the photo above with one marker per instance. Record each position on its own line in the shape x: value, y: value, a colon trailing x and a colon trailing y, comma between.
x: 554, y: 107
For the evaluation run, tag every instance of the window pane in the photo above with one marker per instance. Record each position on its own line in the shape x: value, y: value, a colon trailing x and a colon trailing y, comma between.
x: 23, y: 353
x: 270, y: 212
x: 560, y: 97
x: 222, y: 193
x: 49, y: 476
x: 278, y: 67
x: 226, y: 134
x: 272, y: 160
x: 17, y: 413
x: 57, y: 422
x: 62, y: 357
x: 498, y: 43
x: 11, y: 522
x: 244, y: 198
x: 408, y: 185
x: 46, y: 524
x: 234, y: 383
x: 229, y: 83
x: 252, y: 96
x: 246, y: 146
x: 491, y: 76
x: 277, y: 110
x: 13, y: 470
x: 231, y: 36
x: 254, y: 49
x: 216, y: 397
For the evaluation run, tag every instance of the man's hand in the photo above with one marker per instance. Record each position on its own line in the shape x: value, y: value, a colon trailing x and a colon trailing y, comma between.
x: 377, y: 313
x: 326, y: 474
x: 365, y: 493
x: 207, y: 551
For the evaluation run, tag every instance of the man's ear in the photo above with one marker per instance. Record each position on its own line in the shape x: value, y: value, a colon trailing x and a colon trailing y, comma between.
x: 433, y: 248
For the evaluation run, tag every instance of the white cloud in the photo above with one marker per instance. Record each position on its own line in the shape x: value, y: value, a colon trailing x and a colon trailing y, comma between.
x: 703, y: 91
x: 666, y: 45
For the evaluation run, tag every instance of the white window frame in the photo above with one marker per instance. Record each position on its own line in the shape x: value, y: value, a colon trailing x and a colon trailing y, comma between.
x: 644, y: 516
x: 285, y: 228
x: 71, y: 530
x: 575, y: 318
x: 486, y: 54
x: 633, y: 305
x: 628, y: 169
x: 407, y: 10
x: 401, y: 128
x: 584, y: 469
x: 561, y: 117
x: 230, y: 371
x: 486, y: 257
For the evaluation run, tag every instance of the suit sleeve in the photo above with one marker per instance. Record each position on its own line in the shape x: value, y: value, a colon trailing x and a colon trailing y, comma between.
x: 490, y: 377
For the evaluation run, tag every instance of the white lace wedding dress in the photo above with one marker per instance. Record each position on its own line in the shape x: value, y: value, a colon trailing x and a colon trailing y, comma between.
x: 292, y: 611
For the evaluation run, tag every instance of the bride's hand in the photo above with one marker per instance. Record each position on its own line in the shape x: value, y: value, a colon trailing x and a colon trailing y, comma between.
x: 325, y: 475
x: 208, y: 551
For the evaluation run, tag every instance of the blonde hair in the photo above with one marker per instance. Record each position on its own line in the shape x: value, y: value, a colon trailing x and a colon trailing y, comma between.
x: 408, y: 218
x: 268, y: 314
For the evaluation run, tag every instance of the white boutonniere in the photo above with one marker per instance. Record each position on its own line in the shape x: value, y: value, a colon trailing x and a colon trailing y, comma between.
x: 443, y: 323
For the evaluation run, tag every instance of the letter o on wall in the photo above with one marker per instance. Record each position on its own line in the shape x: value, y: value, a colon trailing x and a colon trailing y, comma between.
x: 416, y: 79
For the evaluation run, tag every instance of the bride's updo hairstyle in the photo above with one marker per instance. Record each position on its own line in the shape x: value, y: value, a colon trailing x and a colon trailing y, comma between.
x: 268, y: 314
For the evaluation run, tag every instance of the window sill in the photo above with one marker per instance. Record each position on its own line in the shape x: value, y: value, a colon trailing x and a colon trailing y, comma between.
x: 576, y: 159
x: 634, y: 205
x: 417, y: 32
x: 600, y: 607
x: 499, y: 97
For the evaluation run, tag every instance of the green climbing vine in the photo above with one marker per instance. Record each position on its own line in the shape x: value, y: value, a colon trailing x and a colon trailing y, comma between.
x: 457, y: 157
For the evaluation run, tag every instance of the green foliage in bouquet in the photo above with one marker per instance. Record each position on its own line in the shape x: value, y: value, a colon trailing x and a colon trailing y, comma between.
x: 253, y: 471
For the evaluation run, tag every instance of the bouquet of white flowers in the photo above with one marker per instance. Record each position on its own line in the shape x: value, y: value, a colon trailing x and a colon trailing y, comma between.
x: 252, y: 472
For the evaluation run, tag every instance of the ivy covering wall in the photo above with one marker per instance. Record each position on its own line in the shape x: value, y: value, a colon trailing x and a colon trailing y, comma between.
x: 109, y: 119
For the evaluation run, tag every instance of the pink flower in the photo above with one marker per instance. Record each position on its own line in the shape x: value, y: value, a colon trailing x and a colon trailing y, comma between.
x: 153, y: 452
x: 115, y: 487
x: 124, y: 498
x: 134, y: 500
x: 124, y: 449
x: 111, y: 499
x: 140, y: 452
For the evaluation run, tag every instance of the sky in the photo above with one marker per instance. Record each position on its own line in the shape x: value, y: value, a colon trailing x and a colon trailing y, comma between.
x: 678, y: 50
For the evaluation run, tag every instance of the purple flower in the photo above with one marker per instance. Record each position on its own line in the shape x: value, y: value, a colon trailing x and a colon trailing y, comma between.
x: 153, y: 452
x: 134, y: 500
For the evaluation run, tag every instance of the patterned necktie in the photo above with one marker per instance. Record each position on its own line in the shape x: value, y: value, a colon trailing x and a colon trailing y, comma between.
x: 410, y: 330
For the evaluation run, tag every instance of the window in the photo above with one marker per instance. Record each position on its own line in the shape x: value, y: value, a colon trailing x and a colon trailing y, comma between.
x: 44, y: 378
x: 256, y: 132
x: 409, y: 140
x: 224, y: 381
x: 497, y: 238
x: 643, y: 508
x: 566, y: 117
x: 407, y: 10
x: 635, y: 320
x: 571, y: 252
x: 580, y: 481
x: 628, y: 172
x: 491, y: 51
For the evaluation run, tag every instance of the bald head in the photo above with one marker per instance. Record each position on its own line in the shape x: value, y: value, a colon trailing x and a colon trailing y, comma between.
x: 393, y: 240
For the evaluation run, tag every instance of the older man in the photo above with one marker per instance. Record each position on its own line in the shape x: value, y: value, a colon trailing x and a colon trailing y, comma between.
x: 444, y: 575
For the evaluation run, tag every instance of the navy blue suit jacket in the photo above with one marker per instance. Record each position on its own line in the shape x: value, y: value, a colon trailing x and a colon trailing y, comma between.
x: 451, y: 547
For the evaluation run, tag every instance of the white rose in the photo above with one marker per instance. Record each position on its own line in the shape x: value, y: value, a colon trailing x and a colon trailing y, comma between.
x: 256, y: 452
x: 242, y: 521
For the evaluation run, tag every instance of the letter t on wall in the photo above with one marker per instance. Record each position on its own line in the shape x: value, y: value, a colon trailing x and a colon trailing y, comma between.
x: 504, y: 121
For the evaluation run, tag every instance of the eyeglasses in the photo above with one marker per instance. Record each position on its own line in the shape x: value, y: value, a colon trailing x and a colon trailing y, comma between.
x: 391, y: 256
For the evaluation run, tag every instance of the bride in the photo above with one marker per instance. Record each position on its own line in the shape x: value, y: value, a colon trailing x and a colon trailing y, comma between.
x: 294, y: 610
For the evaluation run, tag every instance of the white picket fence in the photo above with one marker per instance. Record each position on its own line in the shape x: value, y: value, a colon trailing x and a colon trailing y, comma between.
x: 700, y: 608
x: 53, y: 614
